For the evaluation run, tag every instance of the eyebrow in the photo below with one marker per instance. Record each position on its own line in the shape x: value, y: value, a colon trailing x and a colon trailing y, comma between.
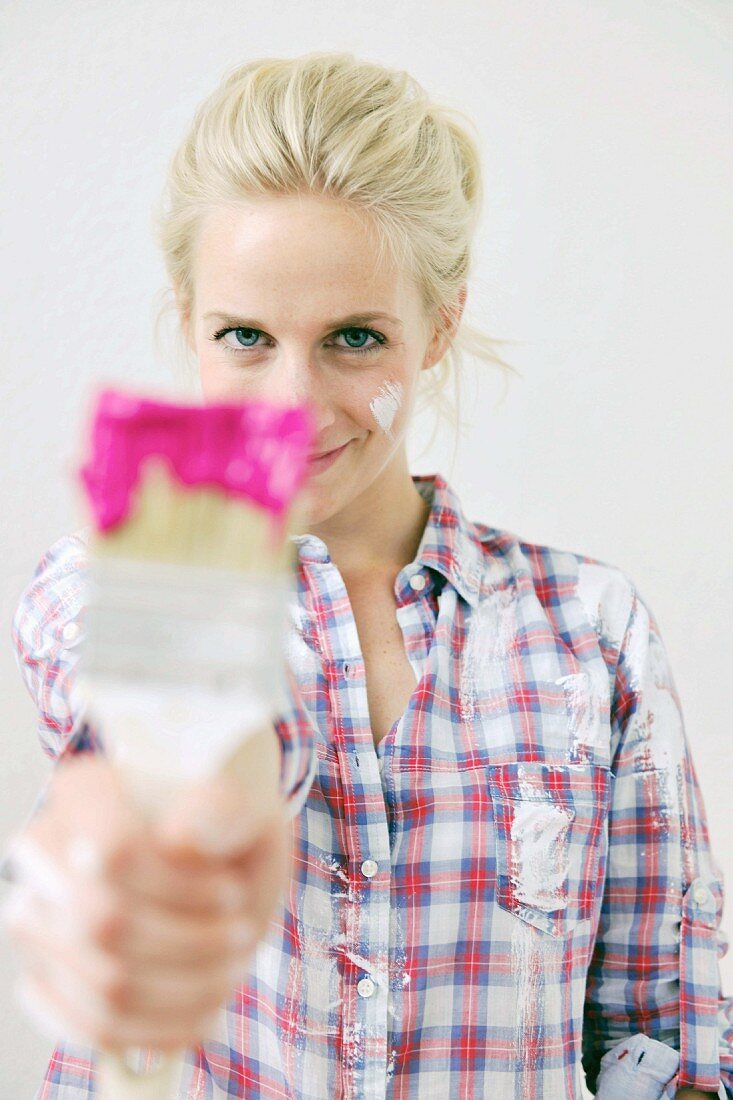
x: 352, y: 319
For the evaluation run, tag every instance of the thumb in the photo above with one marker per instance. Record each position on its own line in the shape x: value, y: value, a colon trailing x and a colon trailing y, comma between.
x: 217, y: 817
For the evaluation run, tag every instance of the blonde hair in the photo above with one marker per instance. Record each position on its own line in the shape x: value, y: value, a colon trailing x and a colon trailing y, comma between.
x: 332, y: 124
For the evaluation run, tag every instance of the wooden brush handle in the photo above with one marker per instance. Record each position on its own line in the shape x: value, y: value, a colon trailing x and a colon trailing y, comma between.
x: 119, y: 1082
x: 176, y: 705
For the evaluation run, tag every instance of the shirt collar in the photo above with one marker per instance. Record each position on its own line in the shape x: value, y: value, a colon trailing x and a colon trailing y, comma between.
x: 450, y: 544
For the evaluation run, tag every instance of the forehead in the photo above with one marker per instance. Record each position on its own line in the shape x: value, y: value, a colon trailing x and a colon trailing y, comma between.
x: 307, y: 250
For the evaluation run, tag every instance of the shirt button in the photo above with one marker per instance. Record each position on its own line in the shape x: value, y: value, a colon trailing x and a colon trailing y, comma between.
x: 701, y: 894
x: 369, y: 868
x: 70, y: 632
x: 365, y: 987
x: 417, y: 581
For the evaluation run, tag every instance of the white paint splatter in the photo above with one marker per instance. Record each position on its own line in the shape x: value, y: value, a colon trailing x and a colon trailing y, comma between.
x: 537, y: 962
x: 540, y: 854
x: 391, y: 1064
x: 337, y: 870
x: 353, y: 1039
x: 527, y: 970
x: 365, y: 964
x: 530, y: 786
x: 636, y: 648
x: 656, y: 730
x: 604, y: 599
x: 300, y: 656
x: 491, y: 629
x: 582, y: 705
x: 663, y: 726
x: 384, y: 405
x: 401, y: 974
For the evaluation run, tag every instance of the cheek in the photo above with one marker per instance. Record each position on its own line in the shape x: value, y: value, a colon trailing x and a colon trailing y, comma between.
x: 385, y: 406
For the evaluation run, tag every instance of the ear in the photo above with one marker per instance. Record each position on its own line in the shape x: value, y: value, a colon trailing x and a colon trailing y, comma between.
x: 451, y: 315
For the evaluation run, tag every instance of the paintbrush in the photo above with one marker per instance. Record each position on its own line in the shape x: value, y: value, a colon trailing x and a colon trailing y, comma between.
x: 191, y: 569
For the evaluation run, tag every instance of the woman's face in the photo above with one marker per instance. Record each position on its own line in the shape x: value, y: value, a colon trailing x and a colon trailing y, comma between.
x: 282, y: 290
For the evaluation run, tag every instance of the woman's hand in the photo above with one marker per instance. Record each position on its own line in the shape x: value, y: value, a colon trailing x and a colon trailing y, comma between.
x: 132, y: 936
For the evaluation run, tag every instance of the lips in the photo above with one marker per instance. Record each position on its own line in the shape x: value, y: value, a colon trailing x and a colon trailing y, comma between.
x: 325, y: 454
x: 325, y: 462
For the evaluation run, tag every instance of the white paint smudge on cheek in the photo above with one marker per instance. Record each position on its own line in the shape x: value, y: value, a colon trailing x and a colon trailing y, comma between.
x: 539, y: 864
x: 385, y: 405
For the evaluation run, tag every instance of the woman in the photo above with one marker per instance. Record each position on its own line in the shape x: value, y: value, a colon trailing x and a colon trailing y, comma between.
x: 498, y: 870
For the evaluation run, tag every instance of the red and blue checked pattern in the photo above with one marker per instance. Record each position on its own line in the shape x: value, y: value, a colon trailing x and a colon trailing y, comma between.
x: 513, y: 893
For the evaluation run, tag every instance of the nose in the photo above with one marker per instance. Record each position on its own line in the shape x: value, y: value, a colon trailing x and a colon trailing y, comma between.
x: 293, y: 381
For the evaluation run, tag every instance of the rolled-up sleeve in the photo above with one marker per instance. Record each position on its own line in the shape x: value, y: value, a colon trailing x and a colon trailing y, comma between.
x: 296, y: 733
x: 654, y: 974
x: 48, y: 632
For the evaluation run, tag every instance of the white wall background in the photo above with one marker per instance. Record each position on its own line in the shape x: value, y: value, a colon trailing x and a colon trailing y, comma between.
x: 606, y: 252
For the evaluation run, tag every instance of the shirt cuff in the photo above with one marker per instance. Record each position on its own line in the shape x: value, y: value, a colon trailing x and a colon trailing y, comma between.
x: 637, y: 1066
x: 642, y: 1067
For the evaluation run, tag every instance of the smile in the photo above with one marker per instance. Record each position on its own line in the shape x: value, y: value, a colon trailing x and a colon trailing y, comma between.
x: 318, y: 465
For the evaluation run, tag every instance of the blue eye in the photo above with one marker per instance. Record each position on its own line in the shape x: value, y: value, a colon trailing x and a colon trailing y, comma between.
x: 378, y: 338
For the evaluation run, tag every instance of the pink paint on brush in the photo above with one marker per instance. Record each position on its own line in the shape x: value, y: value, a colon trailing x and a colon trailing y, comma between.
x: 252, y: 449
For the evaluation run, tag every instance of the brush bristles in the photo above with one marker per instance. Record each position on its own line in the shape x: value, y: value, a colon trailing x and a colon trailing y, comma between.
x: 170, y: 522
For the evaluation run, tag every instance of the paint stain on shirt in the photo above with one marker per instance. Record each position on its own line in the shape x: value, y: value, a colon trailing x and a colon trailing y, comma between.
x: 539, y: 869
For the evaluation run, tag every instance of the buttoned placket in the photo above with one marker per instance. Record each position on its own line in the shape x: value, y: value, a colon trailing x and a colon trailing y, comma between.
x: 365, y: 1014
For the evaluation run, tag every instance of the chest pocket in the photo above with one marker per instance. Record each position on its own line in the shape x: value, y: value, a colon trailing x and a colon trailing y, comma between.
x: 551, y: 834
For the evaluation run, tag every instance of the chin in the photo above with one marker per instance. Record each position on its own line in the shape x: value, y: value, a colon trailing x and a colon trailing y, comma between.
x: 321, y: 503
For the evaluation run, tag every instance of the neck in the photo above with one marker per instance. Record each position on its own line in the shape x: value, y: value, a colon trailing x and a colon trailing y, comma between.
x: 380, y: 529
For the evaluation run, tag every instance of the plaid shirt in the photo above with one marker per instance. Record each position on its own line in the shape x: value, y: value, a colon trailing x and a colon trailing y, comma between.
x: 513, y: 892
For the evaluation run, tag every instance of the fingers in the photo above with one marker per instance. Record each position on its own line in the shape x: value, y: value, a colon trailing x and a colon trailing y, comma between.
x: 133, y: 940
x: 117, y: 983
x: 132, y: 996
x: 190, y: 886
x: 227, y: 813
x: 214, y: 819
x: 39, y: 860
x: 104, y: 920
